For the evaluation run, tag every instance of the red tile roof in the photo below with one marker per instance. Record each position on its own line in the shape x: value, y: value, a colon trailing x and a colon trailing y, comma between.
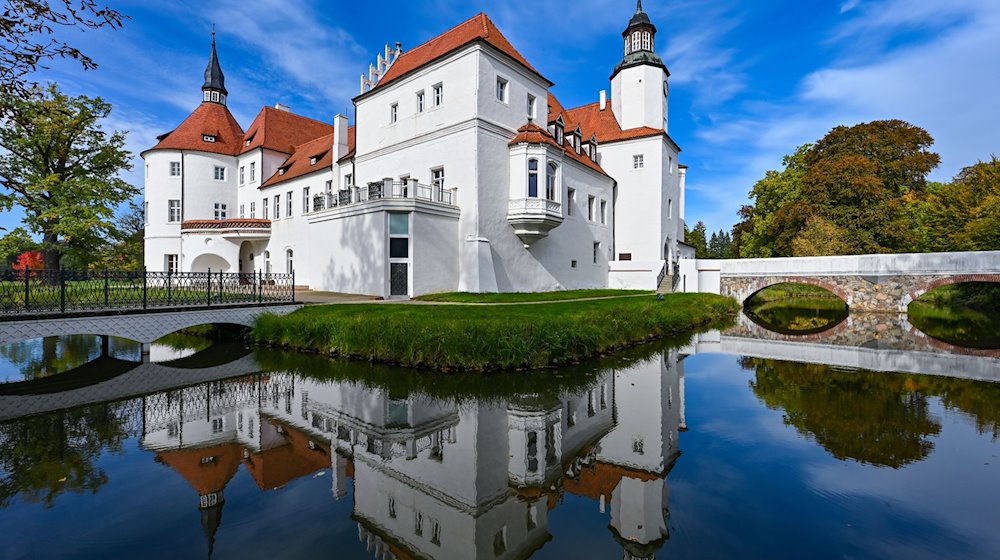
x: 479, y: 28
x: 209, y: 476
x: 282, y: 464
x: 531, y: 133
x: 605, y: 125
x: 211, y: 119
x: 278, y: 130
x: 601, y: 479
x: 299, y: 163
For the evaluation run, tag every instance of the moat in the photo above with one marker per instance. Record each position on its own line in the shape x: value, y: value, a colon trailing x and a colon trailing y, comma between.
x: 795, y: 433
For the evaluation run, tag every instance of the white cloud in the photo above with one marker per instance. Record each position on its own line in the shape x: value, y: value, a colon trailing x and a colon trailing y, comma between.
x: 849, y: 5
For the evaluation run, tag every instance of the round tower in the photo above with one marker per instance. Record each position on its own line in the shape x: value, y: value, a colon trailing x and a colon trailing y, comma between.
x: 639, y: 86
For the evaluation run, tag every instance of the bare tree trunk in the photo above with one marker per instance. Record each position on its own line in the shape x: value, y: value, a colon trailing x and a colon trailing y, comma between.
x: 51, y: 252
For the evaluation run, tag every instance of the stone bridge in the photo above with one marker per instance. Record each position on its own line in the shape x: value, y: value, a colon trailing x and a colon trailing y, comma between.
x: 868, y: 283
x: 144, y: 326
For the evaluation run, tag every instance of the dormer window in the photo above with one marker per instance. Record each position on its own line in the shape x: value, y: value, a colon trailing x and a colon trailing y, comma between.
x: 312, y: 160
x: 215, y: 96
x: 281, y: 171
x: 208, y: 138
x: 560, y: 126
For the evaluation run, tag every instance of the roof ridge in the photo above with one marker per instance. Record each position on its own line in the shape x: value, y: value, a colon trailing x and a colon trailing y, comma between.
x: 301, y: 116
x: 486, y: 21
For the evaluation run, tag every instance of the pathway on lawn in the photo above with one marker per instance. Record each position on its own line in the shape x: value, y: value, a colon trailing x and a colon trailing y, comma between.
x: 332, y: 298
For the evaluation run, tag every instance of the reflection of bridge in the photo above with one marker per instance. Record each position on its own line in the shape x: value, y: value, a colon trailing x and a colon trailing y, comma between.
x: 144, y: 327
x: 875, y: 342
x: 883, y: 283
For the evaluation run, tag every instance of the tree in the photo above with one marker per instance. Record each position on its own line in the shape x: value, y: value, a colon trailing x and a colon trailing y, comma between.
x: 125, y: 251
x: 820, y: 237
x: 696, y: 238
x: 759, y: 237
x: 28, y: 37
x: 15, y: 243
x: 31, y: 260
x: 964, y: 215
x: 62, y: 168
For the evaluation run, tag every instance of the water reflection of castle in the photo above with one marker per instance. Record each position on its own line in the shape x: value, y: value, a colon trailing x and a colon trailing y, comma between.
x: 434, y: 478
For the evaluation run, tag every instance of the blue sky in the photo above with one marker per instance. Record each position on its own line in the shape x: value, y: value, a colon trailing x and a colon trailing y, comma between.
x: 750, y: 80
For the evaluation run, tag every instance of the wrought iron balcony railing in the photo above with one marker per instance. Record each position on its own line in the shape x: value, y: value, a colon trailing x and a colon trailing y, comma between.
x: 384, y: 190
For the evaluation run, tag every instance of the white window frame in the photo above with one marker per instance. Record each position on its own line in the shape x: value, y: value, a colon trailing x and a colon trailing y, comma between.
x: 305, y: 200
x: 597, y: 252
x: 242, y: 175
x: 551, y: 181
x: 263, y: 208
x: 394, y: 113
x: 638, y: 161
x: 288, y: 204
x: 437, y: 97
x: 604, y: 212
x: 219, y: 174
x: 220, y: 210
x: 172, y: 263
x: 570, y: 201
x: 532, y: 103
x: 421, y: 101
x: 277, y: 207
x: 253, y: 171
x: 438, y: 177
x: 253, y: 210
x: 503, y: 89
x: 591, y: 208
x: 175, y: 169
x: 174, y: 214
x: 242, y: 211
x: 348, y: 180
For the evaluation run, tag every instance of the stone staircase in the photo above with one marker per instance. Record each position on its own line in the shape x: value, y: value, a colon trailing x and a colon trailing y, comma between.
x: 666, y: 285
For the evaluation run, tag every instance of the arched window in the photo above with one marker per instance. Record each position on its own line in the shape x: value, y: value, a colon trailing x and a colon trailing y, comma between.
x: 635, y: 41
x: 289, y: 268
x: 646, y: 46
x: 550, y: 181
x: 627, y: 51
x: 267, y: 262
x: 532, y: 178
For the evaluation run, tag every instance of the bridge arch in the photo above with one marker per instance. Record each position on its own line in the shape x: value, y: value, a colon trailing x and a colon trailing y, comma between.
x: 757, y: 285
x: 933, y: 283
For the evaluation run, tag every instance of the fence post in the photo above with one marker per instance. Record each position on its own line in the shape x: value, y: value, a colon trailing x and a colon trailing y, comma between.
x: 106, y: 298
x: 169, y: 290
x: 145, y: 288
x: 260, y: 286
x: 62, y: 290
x: 27, y: 288
x: 293, y: 285
x: 209, y: 289
x: 222, y: 287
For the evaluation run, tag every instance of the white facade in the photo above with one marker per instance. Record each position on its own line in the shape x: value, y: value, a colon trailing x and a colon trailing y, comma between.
x: 447, y: 144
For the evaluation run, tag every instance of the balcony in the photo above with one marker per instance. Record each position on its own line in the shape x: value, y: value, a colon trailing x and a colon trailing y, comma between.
x: 382, y: 191
x: 533, y: 218
x: 235, y: 228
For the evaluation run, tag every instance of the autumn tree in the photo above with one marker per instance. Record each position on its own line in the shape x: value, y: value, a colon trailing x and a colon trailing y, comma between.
x: 14, y: 244
x: 964, y: 215
x: 31, y: 34
x: 62, y: 168
x: 759, y: 235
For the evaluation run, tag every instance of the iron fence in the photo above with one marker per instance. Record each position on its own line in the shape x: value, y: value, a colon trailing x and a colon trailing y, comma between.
x: 25, y: 291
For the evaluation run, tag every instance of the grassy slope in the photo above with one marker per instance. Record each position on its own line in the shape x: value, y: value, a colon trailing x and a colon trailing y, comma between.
x: 520, y: 297
x: 457, y: 337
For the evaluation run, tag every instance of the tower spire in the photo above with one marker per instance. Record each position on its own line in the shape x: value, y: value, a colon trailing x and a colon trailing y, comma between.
x: 214, y: 88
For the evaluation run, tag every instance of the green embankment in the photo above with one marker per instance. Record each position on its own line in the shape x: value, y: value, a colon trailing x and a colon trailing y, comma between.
x: 525, y: 297
x: 488, y: 338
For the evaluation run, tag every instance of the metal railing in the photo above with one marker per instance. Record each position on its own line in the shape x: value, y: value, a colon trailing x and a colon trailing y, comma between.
x: 661, y: 276
x: 25, y: 291
x: 383, y: 190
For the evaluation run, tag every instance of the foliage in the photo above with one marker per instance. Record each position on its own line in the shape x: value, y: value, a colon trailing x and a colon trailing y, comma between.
x: 62, y: 168
x: 125, y: 250
x: 14, y: 244
x: 31, y: 260
x: 964, y: 215
x: 853, y: 192
x: 489, y: 337
x: 524, y: 297
x: 28, y: 37
x: 720, y: 246
x: 698, y: 239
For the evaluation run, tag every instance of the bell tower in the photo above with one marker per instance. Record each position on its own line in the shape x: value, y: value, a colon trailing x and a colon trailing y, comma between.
x: 639, y: 87
x: 214, y: 89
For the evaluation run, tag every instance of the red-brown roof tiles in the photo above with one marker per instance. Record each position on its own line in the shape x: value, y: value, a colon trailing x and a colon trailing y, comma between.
x: 207, y: 469
x: 300, y: 162
x: 605, y: 125
x: 280, y: 131
x: 479, y: 27
x: 531, y: 133
x: 209, y: 119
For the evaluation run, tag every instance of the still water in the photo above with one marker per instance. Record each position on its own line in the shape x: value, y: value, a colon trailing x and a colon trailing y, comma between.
x: 869, y: 441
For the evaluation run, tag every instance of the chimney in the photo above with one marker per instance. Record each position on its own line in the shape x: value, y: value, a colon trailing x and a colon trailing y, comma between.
x: 339, y: 137
x: 604, y: 99
x: 282, y: 107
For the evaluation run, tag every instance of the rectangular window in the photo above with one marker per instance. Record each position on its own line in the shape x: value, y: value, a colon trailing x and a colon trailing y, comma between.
x: 437, y: 177
x: 221, y: 211
x: 242, y: 175
x: 220, y: 173
x: 531, y: 106
x: 277, y: 207
x: 670, y: 163
x: 502, y: 89
x: 570, y: 201
x: 242, y: 213
x: 532, y: 178
x: 624, y: 256
x: 438, y: 98
x: 591, y: 208
x: 399, y: 252
x: 173, y: 211
x: 670, y: 208
x: 172, y: 264
x: 253, y: 171
x: 420, y: 101
x: 604, y: 212
x: 393, y: 113
x: 253, y: 210
x: 305, y: 200
x: 637, y: 162
x: 288, y: 204
x: 175, y: 169
x: 348, y: 180
x: 145, y: 212
x: 597, y: 251
x: 263, y: 209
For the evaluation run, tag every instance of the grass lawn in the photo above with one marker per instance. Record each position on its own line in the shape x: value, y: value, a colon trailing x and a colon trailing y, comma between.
x: 524, y: 297
x: 486, y: 338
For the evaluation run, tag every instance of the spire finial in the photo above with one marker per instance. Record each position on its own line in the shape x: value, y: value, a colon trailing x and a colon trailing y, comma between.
x: 213, y: 34
x: 638, y: 6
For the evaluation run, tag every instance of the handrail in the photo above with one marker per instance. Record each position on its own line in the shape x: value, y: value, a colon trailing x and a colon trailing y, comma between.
x: 26, y: 291
x: 381, y: 191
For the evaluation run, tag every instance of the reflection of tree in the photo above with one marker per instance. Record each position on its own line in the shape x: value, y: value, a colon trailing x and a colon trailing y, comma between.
x: 44, y: 456
x: 43, y: 357
x: 873, y: 418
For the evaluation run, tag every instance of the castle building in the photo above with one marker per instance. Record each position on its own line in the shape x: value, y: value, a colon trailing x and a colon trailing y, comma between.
x: 462, y: 172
